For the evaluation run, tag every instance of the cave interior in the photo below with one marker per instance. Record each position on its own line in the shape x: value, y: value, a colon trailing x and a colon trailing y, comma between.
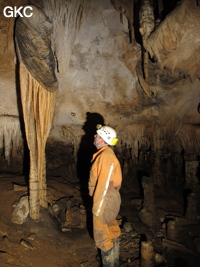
x: 133, y: 65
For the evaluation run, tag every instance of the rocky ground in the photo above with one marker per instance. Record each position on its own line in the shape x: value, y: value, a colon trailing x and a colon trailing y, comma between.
x: 64, y: 238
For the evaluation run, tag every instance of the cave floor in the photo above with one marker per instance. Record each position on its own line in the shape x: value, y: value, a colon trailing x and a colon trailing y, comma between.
x: 44, y: 243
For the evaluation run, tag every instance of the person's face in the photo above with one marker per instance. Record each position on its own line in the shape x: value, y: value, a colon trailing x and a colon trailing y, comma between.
x: 98, y: 141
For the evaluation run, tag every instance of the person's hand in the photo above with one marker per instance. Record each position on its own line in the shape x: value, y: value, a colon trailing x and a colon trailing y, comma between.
x: 111, y: 186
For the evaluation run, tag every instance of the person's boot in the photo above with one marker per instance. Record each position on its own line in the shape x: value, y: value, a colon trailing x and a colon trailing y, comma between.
x: 110, y: 258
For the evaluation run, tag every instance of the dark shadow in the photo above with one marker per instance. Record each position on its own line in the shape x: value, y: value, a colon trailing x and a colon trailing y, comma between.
x: 141, y: 174
x: 179, y: 262
x: 186, y: 193
x: 84, y: 156
x: 136, y: 24
x: 168, y: 6
x: 26, y: 158
x: 198, y: 169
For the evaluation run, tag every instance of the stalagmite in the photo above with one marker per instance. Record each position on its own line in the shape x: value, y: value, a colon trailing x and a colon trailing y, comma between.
x: 172, y: 231
x: 147, y: 254
x: 38, y: 109
x: 147, y: 213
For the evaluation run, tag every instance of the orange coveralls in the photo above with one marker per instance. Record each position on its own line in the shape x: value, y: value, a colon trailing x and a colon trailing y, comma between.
x: 106, y: 197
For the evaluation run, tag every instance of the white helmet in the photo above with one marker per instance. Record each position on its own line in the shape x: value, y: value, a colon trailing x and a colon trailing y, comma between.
x: 108, y: 134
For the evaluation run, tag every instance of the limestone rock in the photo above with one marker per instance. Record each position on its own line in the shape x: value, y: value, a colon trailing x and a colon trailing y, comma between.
x: 34, y: 47
x: 127, y: 227
x: 21, y: 211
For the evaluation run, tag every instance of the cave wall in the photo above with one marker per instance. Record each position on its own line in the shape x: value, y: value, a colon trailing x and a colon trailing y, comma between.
x: 100, y: 77
x: 11, y: 140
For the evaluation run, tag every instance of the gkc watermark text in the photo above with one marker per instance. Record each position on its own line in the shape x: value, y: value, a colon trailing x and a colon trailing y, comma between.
x: 13, y: 12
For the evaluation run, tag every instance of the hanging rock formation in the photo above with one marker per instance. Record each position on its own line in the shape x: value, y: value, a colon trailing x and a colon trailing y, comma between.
x: 33, y: 38
x: 38, y: 94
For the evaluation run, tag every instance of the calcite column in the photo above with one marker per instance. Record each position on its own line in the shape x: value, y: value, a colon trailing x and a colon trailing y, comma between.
x: 38, y: 109
x: 38, y: 88
x: 172, y: 231
x: 147, y: 214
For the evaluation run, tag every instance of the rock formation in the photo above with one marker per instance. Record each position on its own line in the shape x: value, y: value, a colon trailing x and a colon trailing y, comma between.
x: 89, y: 57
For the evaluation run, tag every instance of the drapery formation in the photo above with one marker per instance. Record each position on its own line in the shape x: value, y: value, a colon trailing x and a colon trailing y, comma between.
x: 38, y: 109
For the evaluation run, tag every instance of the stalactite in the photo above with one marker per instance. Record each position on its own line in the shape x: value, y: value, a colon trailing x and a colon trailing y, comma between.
x: 177, y: 37
x: 127, y: 10
x: 66, y: 18
x: 147, y: 24
x: 136, y: 137
x: 38, y: 109
x: 189, y: 138
x: 10, y: 136
x: 148, y: 88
